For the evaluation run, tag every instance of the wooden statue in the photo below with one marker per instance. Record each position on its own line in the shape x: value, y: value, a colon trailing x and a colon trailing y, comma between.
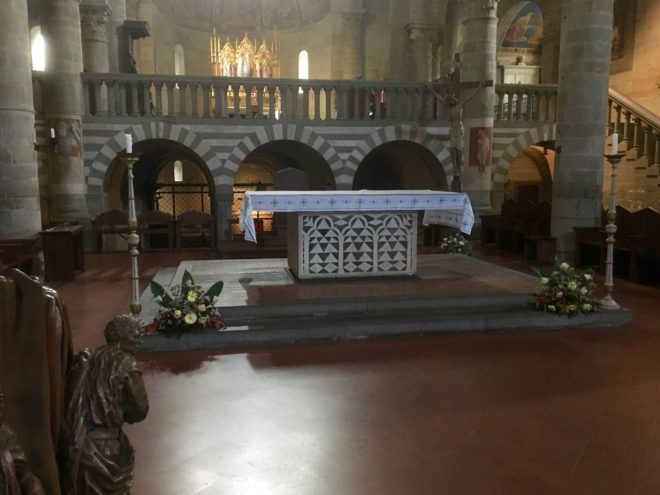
x: 15, y: 477
x: 106, y: 391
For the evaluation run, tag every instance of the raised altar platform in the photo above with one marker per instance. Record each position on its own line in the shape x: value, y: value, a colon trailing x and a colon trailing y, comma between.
x: 348, y: 234
x: 263, y: 303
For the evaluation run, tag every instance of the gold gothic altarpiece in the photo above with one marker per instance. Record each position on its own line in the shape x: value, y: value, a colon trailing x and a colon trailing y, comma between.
x: 244, y: 59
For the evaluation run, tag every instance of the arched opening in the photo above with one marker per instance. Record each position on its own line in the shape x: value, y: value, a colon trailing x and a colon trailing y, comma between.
x: 156, y: 187
x: 259, y: 172
x: 400, y: 165
x: 303, y: 65
x: 529, y: 178
x: 38, y: 49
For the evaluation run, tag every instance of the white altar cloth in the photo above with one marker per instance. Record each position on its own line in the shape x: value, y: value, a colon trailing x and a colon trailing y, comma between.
x: 447, y: 208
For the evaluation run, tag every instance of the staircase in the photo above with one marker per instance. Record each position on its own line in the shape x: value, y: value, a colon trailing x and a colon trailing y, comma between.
x: 638, y: 132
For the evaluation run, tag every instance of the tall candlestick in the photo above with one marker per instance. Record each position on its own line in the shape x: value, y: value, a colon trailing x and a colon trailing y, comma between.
x: 615, y: 143
x: 129, y: 143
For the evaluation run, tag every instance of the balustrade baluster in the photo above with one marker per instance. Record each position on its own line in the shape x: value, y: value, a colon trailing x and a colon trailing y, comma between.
x: 617, y: 124
x: 656, y: 160
x: 317, y: 102
x: 636, y: 123
x: 170, y: 98
x: 122, y: 99
x: 194, y: 109
x: 328, y: 102
x: 133, y: 100
x: 272, y: 102
x: 626, y: 129
x: 146, y: 96
x: 206, y: 100
x: 305, y: 103
x: 260, y: 102
x: 112, y: 98
x: 609, y: 125
x: 158, y: 96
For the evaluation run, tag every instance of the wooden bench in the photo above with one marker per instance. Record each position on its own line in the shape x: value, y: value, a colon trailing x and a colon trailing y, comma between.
x: 19, y: 253
x: 196, y: 226
x: 521, y: 228
x: 156, y: 223
x: 636, y: 245
x: 108, y: 223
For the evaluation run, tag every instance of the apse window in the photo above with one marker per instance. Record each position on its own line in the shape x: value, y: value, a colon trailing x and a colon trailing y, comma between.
x: 303, y: 67
x: 179, y: 61
x: 38, y: 49
x: 178, y: 171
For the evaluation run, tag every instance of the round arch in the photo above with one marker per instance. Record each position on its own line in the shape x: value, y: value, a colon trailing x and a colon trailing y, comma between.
x: 398, y: 133
x: 534, y: 135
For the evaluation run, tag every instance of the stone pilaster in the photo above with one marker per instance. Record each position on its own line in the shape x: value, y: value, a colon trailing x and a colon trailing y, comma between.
x: 422, y: 39
x: 63, y: 109
x: 479, y: 64
x: 353, y: 43
x: 20, y: 214
x: 584, y: 68
x: 94, y: 20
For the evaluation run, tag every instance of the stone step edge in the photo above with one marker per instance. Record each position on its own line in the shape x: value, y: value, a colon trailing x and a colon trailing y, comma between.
x: 331, y: 330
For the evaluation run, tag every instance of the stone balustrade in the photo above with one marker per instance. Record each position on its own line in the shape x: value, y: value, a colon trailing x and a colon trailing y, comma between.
x: 535, y: 102
x: 638, y: 129
x: 137, y: 95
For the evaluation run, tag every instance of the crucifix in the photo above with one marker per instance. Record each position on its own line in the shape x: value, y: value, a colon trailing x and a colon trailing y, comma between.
x: 450, y: 94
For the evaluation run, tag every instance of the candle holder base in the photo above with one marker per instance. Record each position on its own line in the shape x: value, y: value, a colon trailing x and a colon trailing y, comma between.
x: 608, y: 303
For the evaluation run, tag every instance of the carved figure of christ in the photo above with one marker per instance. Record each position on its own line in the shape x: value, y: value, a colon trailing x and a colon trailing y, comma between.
x: 450, y: 95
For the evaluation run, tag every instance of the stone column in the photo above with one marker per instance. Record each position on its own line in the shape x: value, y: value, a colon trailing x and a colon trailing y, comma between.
x: 63, y: 109
x: 479, y: 64
x: 94, y: 19
x: 353, y: 43
x: 20, y: 214
x: 584, y: 69
x: 421, y: 40
x: 117, y: 18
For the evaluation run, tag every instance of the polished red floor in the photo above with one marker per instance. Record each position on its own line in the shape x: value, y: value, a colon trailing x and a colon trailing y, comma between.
x: 565, y: 412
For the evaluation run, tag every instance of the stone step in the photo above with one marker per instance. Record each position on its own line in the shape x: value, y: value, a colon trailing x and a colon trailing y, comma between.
x: 328, y: 328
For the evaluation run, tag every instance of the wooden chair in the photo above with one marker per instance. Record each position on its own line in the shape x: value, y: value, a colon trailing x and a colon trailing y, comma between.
x: 155, y: 222
x: 109, y: 222
x: 198, y: 226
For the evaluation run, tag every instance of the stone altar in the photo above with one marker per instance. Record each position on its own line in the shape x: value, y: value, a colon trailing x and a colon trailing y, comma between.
x: 338, y: 234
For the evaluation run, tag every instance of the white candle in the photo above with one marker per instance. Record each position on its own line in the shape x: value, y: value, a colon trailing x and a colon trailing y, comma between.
x: 129, y: 143
x: 52, y: 133
x: 615, y: 143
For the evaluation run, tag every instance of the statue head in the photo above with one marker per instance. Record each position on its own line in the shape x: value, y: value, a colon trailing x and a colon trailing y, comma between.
x: 124, y: 330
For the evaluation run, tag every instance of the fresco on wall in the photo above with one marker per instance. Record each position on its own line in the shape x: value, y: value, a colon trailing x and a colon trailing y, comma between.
x: 526, y: 29
x: 623, y: 35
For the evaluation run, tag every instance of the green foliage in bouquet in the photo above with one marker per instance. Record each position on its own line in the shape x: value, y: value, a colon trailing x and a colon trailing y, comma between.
x: 186, y: 307
x: 455, y: 243
x: 566, y: 291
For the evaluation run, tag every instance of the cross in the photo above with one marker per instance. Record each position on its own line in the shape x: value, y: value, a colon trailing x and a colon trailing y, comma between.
x: 449, y: 94
x: 455, y: 85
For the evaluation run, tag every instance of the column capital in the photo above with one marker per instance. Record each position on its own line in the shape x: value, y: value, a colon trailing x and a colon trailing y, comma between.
x: 476, y: 9
x: 94, y: 20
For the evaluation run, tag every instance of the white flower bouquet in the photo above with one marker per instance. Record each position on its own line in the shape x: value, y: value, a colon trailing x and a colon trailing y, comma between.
x: 566, y: 291
x: 186, y: 307
x: 455, y: 243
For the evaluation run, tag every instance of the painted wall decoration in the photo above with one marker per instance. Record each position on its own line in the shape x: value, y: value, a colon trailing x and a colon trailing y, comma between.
x: 481, y: 147
x: 526, y: 29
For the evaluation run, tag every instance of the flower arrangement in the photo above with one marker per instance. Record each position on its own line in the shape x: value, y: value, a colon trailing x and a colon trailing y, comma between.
x: 187, y: 307
x: 455, y: 243
x: 566, y: 291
